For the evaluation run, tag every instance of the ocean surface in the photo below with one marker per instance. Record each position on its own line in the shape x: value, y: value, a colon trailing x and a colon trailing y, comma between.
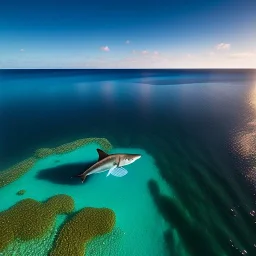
x: 191, y: 193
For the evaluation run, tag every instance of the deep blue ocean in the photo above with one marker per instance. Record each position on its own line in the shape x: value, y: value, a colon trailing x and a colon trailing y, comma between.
x: 198, y: 126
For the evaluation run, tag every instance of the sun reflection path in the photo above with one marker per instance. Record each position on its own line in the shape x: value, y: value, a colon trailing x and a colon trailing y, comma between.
x: 245, y: 139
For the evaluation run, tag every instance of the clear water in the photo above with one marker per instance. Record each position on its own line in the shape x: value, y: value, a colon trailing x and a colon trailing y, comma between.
x: 191, y: 193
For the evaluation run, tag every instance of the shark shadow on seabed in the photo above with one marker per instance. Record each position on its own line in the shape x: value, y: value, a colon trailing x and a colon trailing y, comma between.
x: 64, y: 174
x: 196, y: 241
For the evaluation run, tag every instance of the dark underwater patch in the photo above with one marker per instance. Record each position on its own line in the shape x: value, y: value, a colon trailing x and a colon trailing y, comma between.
x: 64, y: 174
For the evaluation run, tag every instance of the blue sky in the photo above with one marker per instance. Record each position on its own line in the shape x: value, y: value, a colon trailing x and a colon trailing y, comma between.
x: 128, y: 34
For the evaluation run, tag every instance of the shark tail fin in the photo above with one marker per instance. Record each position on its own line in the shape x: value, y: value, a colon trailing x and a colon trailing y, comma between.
x: 82, y: 176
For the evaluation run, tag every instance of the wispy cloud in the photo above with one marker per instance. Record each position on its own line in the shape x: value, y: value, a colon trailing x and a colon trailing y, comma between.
x: 127, y: 41
x: 242, y: 55
x: 146, y: 53
x: 223, y: 46
x: 105, y: 48
x: 148, y: 58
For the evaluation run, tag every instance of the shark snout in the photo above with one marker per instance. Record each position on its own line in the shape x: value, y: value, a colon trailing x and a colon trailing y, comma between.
x: 136, y: 157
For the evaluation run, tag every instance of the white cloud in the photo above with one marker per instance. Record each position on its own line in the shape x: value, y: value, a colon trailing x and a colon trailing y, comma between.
x: 127, y: 41
x: 223, y: 46
x: 156, y: 52
x: 144, y: 52
x: 105, y: 48
x: 22, y: 50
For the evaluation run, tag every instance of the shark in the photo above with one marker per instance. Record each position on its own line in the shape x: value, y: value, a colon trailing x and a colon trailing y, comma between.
x: 113, y: 163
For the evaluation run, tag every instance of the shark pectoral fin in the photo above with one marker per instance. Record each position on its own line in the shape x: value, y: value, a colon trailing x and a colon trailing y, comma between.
x: 119, y: 160
x: 119, y: 172
x: 111, y: 169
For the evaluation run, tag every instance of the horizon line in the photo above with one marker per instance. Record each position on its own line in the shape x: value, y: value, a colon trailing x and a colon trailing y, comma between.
x: 127, y: 68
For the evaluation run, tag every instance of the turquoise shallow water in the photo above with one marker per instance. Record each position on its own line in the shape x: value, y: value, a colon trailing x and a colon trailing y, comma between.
x: 127, y: 196
x: 191, y: 193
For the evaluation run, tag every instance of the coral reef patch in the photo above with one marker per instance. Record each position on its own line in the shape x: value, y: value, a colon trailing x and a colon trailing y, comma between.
x: 21, y: 192
x: 15, y: 172
x: 87, y: 224
x: 71, y: 146
x: 30, y: 219
x: 39, y: 246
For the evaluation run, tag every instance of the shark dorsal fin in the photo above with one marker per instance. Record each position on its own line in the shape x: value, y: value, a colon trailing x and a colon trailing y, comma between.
x: 102, y: 154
